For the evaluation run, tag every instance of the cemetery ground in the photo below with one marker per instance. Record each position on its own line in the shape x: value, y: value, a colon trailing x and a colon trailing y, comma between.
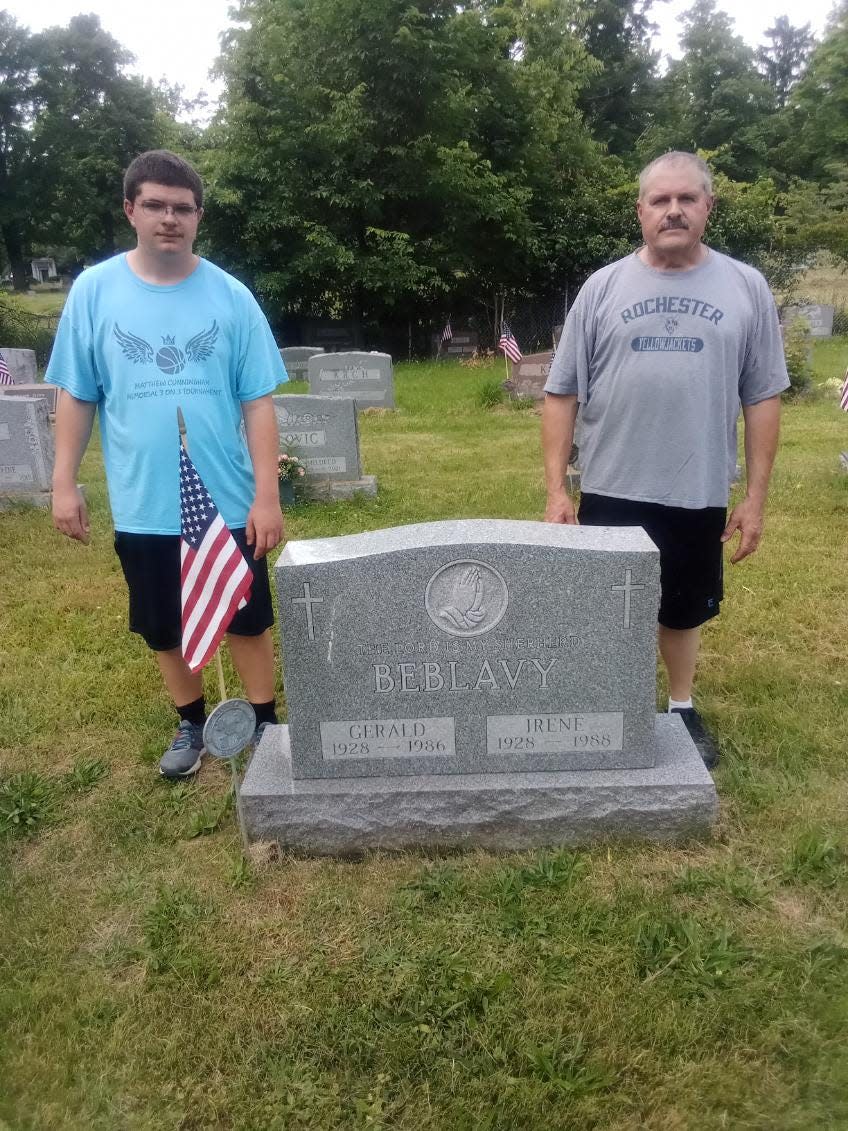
x: 151, y: 978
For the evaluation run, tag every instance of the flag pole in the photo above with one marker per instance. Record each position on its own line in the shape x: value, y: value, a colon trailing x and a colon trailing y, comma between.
x: 219, y: 666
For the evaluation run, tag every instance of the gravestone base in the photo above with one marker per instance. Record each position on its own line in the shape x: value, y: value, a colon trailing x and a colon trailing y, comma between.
x: 329, y: 490
x: 675, y: 799
x: 11, y: 499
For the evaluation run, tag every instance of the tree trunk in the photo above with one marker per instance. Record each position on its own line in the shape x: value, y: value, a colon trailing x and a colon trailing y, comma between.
x: 15, y: 255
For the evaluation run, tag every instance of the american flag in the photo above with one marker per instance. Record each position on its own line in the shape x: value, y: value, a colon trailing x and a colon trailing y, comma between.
x: 447, y: 333
x: 843, y: 396
x: 509, y: 345
x: 5, y: 375
x: 215, y: 579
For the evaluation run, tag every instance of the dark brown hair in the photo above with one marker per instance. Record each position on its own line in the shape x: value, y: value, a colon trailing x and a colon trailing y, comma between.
x: 162, y: 168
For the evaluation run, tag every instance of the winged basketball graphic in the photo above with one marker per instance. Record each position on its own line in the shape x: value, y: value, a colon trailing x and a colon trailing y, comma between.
x: 135, y: 349
x: 169, y: 358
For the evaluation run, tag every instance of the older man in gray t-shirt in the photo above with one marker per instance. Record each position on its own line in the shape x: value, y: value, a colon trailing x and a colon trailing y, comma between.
x: 659, y: 351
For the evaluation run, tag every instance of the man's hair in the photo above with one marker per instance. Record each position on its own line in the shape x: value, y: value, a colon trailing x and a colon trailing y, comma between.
x: 678, y: 157
x: 162, y: 168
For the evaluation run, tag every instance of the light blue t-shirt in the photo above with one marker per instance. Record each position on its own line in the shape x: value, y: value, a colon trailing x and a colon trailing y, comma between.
x: 140, y: 351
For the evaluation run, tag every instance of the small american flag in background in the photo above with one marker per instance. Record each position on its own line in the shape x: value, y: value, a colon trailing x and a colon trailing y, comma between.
x: 215, y: 578
x: 843, y: 396
x: 5, y: 375
x: 509, y: 345
x: 447, y: 333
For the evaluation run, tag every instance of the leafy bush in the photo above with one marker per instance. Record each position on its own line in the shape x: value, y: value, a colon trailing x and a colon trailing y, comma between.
x: 22, y: 330
x: 798, y: 351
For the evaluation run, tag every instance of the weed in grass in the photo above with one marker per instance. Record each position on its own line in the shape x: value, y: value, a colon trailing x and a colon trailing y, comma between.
x: 27, y: 802
x: 172, y: 938
x: 738, y: 883
x: 240, y: 872
x: 697, y: 955
x: 568, y: 1067
x: 490, y: 393
x: 209, y: 817
x: 440, y: 883
x: 815, y: 857
x: 85, y: 775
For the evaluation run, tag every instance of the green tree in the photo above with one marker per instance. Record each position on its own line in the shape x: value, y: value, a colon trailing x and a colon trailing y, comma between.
x: 377, y: 157
x: 16, y: 164
x: 784, y: 60
x: 619, y: 101
x: 713, y: 97
x: 91, y: 120
x: 817, y: 145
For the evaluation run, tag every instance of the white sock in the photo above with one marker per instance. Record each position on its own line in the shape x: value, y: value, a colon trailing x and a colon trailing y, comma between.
x: 679, y: 704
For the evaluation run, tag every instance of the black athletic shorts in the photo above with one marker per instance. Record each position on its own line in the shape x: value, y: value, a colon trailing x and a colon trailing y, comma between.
x: 151, y: 565
x: 689, y: 542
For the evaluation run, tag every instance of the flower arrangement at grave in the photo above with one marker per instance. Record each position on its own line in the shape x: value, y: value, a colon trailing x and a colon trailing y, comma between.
x: 290, y: 468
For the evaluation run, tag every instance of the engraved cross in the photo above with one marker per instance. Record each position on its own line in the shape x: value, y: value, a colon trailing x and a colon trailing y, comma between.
x: 307, y: 600
x: 627, y: 588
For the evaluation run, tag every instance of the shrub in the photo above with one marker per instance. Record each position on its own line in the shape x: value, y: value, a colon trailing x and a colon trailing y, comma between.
x: 22, y: 330
x: 490, y: 394
x: 796, y: 347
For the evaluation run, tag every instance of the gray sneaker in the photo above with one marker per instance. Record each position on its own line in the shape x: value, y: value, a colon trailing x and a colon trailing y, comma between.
x: 182, y: 758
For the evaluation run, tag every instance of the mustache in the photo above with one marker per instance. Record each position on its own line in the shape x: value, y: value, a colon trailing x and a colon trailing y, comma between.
x: 672, y: 225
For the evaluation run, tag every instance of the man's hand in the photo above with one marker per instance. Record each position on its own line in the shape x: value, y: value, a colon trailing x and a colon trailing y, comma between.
x: 748, y: 519
x: 70, y: 514
x: 265, y: 528
x: 560, y: 508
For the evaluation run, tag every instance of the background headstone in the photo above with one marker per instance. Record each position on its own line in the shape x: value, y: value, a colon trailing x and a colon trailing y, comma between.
x: 296, y: 360
x: 26, y: 450
x: 323, y: 432
x: 20, y: 363
x: 366, y: 378
x: 480, y: 683
x: 528, y: 376
x: 819, y: 317
x: 464, y: 343
x: 49, y: 393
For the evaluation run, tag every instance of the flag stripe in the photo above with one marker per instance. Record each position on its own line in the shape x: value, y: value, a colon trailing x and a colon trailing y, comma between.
x: 216, y: 566
x: 843, y: 400
x: 215, y: 577
x: 5, y: 375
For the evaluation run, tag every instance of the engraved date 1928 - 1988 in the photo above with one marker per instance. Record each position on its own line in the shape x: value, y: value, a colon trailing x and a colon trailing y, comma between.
x: 518, y: 744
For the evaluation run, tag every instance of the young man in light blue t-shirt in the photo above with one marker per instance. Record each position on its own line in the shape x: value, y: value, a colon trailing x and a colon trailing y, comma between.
x: 141, y: 335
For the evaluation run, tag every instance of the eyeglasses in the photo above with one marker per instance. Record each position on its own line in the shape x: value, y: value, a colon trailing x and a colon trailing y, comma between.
x: 157, y: 208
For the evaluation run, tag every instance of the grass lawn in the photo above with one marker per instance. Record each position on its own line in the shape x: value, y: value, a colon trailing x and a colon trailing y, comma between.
x: 43, y: 302
x: 150, y: 979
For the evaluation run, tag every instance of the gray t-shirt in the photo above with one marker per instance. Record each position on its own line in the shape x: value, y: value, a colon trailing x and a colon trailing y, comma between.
x: 660, y: 362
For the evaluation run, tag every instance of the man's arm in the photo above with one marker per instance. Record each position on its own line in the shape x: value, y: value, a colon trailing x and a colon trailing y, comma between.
x: 74, y: 419
x: 558, y: 416
x: 264, y: 520
x: 762, y: 428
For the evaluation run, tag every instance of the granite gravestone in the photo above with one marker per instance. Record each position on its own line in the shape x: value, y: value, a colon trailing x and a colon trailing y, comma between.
x: 323, y: 432
x: 528, y: 376
x: 20, y: 363
x: 26, y: 451
x: 296, y: 360
x: 820, y: 318
x: 464, y: 343
x: 49, y: 393
x: 366, y: 378
x: 478, y: 682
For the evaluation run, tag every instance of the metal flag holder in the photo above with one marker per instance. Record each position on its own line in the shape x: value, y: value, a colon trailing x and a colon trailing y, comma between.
x: 227, y: 732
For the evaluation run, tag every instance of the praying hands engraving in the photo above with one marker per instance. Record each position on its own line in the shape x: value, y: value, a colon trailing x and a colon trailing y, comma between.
x: 465, y: 609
